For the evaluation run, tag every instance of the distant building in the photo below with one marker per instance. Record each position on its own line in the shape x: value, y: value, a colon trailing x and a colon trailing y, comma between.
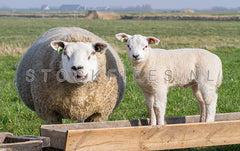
x: 71, y: 7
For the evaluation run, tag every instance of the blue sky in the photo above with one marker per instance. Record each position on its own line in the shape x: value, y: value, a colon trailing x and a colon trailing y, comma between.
x: 159, y: 4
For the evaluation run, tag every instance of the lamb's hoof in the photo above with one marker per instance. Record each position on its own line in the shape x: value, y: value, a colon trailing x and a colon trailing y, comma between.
x: 160, y: 126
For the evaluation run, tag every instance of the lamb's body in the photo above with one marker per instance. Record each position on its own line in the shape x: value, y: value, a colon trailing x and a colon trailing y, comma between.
x: 178, y: 68
x: 155, y: 70
x: 195, y: 68
x: 53, y: 100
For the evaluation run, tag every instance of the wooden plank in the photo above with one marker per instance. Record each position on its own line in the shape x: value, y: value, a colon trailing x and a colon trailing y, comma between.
x: 3, y: 136
x: 57, y: 137
x: 139, y: 122
x: 195, y: 118
x: 45, y: 140
x: 58, y: 133
x: 22, y: 146
x: 15, y: 139
x: 153, y: 138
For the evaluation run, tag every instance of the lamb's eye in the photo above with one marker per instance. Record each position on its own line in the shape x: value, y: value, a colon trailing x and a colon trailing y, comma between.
x: 145, y: 47
x: 128, y: 47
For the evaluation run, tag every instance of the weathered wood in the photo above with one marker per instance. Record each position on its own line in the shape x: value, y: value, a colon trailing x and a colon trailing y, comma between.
x: 3, y: 135
x: 51, y: 149
x: 57, y: 136
x: 196, y: 118
x: 22, y: 146
x: 127, y: 133
x: 140, y: 122
x: 154, y: 138
x: 24, y: 143
x: 45, y: 140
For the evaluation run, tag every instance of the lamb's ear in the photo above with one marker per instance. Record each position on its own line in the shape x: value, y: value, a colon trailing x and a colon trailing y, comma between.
x: 122, y: 37
x: 99, y: 47
x: 153, y: 40
x: 58, y: 45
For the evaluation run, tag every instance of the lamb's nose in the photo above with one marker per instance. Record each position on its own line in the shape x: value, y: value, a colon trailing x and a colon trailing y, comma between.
x: 135, y: 56
x: 77, y: 67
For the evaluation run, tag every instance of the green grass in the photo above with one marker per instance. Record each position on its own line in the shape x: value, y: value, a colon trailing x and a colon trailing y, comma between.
x: 222, y: 38
x: 22, y: 32
x: 181, y: 13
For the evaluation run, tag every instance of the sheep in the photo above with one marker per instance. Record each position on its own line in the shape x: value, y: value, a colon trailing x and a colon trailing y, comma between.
x: 71, y: 73
x: 155, y: 70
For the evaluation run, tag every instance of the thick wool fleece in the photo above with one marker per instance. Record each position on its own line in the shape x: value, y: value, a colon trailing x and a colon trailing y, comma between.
x: 53, y: 100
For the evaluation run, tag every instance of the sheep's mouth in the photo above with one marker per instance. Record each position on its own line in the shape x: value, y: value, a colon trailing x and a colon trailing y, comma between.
x: 137, y: 59
x: 81, y: 77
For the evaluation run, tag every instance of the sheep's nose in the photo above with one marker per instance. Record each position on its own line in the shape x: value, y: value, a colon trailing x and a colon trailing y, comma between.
x: 77, y: 67
x: 135, y: 56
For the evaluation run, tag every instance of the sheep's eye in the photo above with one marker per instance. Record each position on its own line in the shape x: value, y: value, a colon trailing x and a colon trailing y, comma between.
x: 128, y: 47
x: 145, y: 47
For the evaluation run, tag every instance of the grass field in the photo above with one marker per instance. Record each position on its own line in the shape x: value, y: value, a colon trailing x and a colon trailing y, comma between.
x: 222, y: 38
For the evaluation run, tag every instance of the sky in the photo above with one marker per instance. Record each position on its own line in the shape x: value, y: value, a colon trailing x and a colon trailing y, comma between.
x: 156, y: 4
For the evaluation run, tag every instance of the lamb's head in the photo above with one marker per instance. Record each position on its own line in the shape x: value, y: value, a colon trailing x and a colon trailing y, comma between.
x: 78, y: 60
x: 138, y: 46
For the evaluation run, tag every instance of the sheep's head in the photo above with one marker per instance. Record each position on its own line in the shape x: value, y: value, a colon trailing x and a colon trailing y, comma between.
x: 78, y: 59
x: 137, y: 45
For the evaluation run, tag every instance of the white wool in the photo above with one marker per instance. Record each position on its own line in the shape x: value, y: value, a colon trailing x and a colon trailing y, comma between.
x: 155, y: 70
x: 78, y: 55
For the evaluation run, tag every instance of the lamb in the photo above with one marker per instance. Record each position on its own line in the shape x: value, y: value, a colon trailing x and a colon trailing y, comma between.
x: 71, y: 73
x: 155, y: 70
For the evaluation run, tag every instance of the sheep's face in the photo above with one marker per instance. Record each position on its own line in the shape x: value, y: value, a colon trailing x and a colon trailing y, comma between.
x: 138, y: 46
x: 79, y: 61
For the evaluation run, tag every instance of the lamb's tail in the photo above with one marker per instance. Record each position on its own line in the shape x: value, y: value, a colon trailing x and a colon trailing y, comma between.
x: 220, y: 74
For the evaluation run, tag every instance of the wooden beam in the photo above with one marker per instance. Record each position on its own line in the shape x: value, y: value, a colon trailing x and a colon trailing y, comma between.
x: 138, y: 122
x: 15, y: 139
x: 154, y: 138
x: 127, y: 133
x: 3, y: 135
x: 35, y: 145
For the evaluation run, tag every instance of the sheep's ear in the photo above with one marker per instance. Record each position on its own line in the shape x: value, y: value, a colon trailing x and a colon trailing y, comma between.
x: 153, y: 40
x: 122, y: 37
x: 58, y: 45
x: 99, y: 47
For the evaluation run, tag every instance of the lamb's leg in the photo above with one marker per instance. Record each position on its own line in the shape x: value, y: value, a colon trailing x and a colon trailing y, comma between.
x: 210, y: 97
x: 197, y: 93
x: 211, y: 105
x: 160, y: 104
x: 149, y: 103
